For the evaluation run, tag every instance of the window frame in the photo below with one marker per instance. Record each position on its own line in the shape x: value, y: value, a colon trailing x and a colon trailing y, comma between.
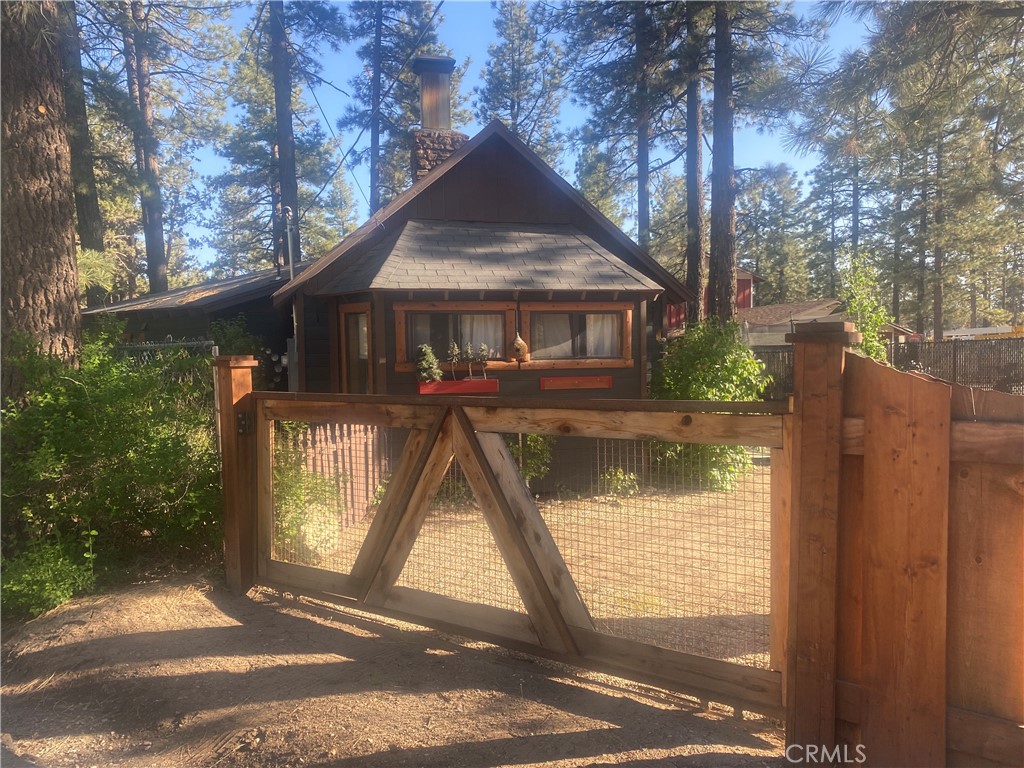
x: 402, y: 309
x: 403, y: 363
x: 624, y: 308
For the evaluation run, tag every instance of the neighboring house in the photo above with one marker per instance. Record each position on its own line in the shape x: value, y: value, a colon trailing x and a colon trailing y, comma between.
x: 186, y: 313
x: 745, y: 282
x: 768, y: 325
x: 491, y: 247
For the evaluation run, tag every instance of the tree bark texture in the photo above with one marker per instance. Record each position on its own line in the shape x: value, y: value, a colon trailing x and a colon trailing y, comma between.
x: 695, y: 271
x: 280, y: 63
x: 87, y: 205
x: 722, y: 275
x: 38, y: 274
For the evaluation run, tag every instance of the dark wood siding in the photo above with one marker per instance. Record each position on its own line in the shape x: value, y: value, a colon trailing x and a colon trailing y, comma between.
x: 318, y: 354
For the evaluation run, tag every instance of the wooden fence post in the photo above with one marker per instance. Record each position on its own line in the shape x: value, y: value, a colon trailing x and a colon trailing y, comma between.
x: 810, y: 684
x: 236, y: 421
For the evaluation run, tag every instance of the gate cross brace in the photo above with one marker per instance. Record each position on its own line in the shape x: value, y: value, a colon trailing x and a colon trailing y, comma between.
x: 548, y: 592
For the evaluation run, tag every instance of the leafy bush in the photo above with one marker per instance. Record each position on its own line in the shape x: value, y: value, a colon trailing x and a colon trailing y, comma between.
x: 42, y: 577
x: 532, y: 453
x: 708, y: 362
x: 124, y: 448
x: 307, y: 504
x: 619, y: 483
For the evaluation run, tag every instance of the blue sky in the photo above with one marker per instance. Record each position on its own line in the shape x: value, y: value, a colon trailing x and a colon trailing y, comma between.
x: 467, y: 29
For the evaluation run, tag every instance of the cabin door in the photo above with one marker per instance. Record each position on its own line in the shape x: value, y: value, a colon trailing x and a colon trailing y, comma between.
x: 356, y: 372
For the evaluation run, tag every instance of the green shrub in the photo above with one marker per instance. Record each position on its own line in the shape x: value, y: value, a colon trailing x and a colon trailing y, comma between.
x: 532, y: 453
x: 42, y: 577
x: 708, y: 362
x: 127, y: 449
x: 619, y: 483
x: 307, y: 505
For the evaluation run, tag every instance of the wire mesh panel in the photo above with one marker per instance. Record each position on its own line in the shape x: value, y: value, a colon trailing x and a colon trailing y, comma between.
x: 669, y: 544
x: 455, y: 554
x: 328, y: 480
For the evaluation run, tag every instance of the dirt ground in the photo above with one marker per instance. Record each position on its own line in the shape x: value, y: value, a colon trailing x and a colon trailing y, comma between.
x: 181, y: 673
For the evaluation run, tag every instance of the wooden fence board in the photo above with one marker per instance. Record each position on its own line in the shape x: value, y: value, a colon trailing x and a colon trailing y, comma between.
x: 986, y: 590
x: 994, y: 442
x: 757, y: 690
x: 811, y: 663
x: 382, y: 415
x: 850, y: 589
x: 906, y: 468
x: 781, y: 521
x: 492, y: 622
x: 716, y: 428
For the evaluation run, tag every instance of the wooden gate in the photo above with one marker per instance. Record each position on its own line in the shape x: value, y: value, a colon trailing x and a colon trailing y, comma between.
x: 897, y: 541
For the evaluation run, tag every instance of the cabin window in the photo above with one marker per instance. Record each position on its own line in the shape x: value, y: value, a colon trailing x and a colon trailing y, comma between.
x: 439, y: 329
x: 568, y: 335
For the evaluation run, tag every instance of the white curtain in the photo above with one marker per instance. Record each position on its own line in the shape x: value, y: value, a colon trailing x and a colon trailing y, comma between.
x: 483, y: 329
x: 603, y: 336
x: 550, y: 336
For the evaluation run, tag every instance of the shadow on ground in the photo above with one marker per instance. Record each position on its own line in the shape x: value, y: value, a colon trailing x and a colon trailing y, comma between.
x: 175, y: 674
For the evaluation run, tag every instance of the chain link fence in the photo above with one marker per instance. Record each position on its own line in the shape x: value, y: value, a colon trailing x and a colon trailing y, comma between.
x: 987, y: 363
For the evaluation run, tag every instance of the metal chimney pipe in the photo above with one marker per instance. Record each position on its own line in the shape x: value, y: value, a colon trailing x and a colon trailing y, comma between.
x: 435, y: 91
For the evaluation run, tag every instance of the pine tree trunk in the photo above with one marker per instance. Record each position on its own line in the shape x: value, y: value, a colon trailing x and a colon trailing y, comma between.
x: 150, y: 195
x: 378, y: 34
x: 897, y: 245
x: 695, y: 273
x: 643, y: 127
x: 722, y: 276
x: 280, y: 62
x: 38, y: 273
x: 87, y: 204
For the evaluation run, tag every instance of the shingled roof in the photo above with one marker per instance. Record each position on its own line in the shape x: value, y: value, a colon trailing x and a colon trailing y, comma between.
x: 209, y: 296
x: 441, y: 255
x: 346, y: 255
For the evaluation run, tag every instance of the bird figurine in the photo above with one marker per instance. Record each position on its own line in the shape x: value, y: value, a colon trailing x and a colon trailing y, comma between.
x: 521, y: 350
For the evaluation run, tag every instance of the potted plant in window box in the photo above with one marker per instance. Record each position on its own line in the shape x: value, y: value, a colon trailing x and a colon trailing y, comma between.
x: 429, y: 375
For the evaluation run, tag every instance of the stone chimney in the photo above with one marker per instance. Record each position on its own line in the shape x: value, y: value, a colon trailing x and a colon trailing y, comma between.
x: 435, y: 141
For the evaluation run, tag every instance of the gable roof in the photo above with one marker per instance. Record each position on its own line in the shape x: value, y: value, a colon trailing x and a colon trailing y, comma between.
x: 641, y: 262
x: 443, y: 255
x: 208, y: 296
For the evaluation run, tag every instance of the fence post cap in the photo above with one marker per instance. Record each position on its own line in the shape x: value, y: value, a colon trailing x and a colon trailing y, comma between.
x: 235, y: 361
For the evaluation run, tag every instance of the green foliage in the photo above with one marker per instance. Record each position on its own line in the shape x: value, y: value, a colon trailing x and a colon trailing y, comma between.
x: 307, y: 504
x: 42, y: 576
x: 453, y: 493
x: 708, y: 362
x: 113, y: 455
x: 427, y: 366
x: 522, y: 80
x: 617, y: 482
x: 859, y: 290
x: 532, y: 453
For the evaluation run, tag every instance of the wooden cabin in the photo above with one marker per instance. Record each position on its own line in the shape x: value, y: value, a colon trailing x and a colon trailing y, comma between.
x: 489, y: 247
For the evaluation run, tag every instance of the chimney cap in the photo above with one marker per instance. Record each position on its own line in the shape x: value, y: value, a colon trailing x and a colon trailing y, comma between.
x: 442, y: 64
